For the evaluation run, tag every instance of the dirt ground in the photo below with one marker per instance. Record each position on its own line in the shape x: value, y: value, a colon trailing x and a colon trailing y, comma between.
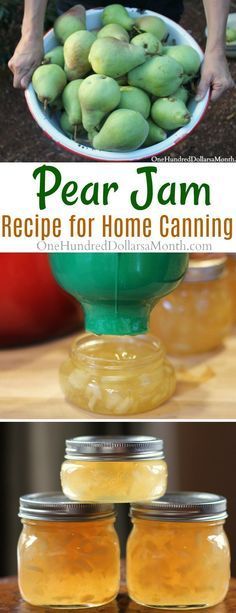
x: 23, y: 141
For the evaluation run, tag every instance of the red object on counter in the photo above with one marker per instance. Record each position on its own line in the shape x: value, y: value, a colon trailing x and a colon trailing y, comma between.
x: 33, y: 307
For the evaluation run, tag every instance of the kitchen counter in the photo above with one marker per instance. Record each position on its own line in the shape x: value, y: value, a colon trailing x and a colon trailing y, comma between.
x: 10, y: 600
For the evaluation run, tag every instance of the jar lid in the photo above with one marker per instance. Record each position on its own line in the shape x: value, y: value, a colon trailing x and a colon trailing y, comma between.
x: 205, y: 270
x: 183, y: 507
x: 53, y: 506
x: 114, y: 448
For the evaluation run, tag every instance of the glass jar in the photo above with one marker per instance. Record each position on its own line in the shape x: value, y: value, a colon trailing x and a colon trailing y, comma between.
x: 231, y: 265
x: 178, y: 553
x: 117, y: 375
x: 198, y: 315
x: 68, y: 554
x: 114, y: 469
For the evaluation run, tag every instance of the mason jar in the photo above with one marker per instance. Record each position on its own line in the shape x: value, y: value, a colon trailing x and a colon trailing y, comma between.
x: 68, y: 553
x: 198, y: 315
x: 117, y: 375
x: 114, y: 469
x: 231, y: 265
x: 177, y: 553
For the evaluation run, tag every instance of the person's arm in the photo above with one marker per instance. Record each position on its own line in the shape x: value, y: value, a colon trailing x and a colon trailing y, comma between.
x: 215, y: 71
x: 29, y: 51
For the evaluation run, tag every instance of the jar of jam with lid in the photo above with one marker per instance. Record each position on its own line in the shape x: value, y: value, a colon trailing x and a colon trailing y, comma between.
x: 114, y: 469
x: 178, y: 553
x: 68, y: 553
x: 198, y: 315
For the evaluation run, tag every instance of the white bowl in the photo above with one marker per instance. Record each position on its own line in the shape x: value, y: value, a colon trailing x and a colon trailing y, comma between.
x: 230, y: 48
x: 50, y: 124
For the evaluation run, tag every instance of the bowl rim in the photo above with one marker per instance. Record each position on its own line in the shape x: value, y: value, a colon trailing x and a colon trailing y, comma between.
x: 129, y: 156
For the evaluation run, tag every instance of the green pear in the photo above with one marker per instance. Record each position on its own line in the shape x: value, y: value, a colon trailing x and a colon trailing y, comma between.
x: 71, y: 104
x: 98, y: 95
x: 116, y: 13
x: 55, y: 56
x: 66, y: 125
x: 187, y: 57
x: 149, y: 42
x: 170, y: 114
x: 135, y: 99
x: 160, y: 76
x: 123, y: 130
x: 70, y: 22
x: 231, y: 35
x: 152, y: 24
x: 155, y: 134
x: 181, y: 94
x: 114, y: 30
x: 48, y: 82
x: 76, y: 52
x: 115, y: 58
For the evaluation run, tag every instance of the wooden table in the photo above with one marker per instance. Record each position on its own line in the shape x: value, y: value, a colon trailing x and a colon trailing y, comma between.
x: 10, y: 600
x: 29, y: 386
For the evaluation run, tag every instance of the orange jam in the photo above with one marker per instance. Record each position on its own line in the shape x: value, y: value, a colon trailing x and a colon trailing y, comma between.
x: 117, y: 375
x: 69, y: 561
x: 114, y: 469
x: 185, y: 561
x: 198, y: 315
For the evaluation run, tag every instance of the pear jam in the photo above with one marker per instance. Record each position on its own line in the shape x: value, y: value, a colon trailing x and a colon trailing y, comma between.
x: 179, y: 546
x: 231, y: 265
x: 117, y: 375
x: 68, y: 554
x: 198, y: 315
x: 114, y: 469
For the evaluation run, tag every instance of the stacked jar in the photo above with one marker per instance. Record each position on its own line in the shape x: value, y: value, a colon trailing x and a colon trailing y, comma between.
x: 68, y: 552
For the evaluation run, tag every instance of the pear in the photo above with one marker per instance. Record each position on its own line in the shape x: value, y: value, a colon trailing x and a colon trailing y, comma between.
x: 149, y: 42
x: 66, y: 125
x: 135, y: 99
x: 152, y: 24
x: 48, y: 82
x: 170, y: 113
x: 116, y: 13
x: 231, y: 35
x: 76, y: 52
x: 55, y: 56
x: 160, y: 76
x: 181, y: 94
x: 123, y: 130
x: 155, y: 134
x: 98, y: 95
x: 188, y: 58
x: 115, y: 31
x: 71, y: 103
x: 71, y: 21
x: 115, y: 58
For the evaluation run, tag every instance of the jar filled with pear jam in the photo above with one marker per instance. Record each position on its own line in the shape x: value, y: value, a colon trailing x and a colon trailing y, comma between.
x: 197, y: 316
x: 68, y: 553
x: 114, y: 469
x: 177, y: 553
x: 117, y: 375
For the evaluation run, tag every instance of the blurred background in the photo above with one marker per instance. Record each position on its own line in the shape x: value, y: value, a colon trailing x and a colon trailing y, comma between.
x: 200, y: 456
